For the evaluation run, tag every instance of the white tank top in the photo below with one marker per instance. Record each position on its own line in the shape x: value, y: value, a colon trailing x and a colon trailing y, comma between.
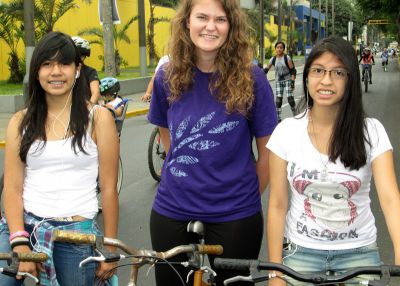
x: 60, y: 183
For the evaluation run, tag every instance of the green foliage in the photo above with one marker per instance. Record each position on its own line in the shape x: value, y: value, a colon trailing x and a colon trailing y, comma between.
x: 11, y: 32
x: 120, y: 35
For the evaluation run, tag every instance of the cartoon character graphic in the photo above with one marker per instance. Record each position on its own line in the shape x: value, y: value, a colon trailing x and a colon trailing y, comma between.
x: 328, y: 203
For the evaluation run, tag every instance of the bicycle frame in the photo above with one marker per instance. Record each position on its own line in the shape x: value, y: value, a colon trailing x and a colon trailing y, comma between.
x: 385, y: 272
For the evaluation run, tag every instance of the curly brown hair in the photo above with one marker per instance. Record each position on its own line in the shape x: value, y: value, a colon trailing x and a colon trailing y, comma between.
x: 232, y: 83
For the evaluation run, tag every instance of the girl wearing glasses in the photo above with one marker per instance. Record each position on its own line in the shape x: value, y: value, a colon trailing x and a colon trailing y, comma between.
x: 327, y: 156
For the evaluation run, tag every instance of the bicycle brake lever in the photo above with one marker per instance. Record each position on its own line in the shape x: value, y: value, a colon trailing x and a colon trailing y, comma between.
x: 237, y: 279
x: 92, y: 258
x: 208, y: 269
x: 26, y: 274
x: 188, y: 276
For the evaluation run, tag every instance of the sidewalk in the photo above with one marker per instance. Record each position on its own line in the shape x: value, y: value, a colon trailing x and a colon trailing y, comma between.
x: 136, y: 105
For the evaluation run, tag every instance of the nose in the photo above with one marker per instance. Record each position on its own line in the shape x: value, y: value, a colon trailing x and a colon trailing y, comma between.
x: 56, y: 69
x: 210, y: 25
x: 327, y: 78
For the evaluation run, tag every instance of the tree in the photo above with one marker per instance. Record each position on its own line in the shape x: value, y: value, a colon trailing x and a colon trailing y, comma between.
x: 120, y: 35
x: 153, y: 56
x: 11, y: 32
x: 383, y: 9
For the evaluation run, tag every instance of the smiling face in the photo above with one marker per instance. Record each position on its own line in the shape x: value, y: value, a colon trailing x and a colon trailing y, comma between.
x: 327, y: 88
x: 208, y: 26
x: 57, y: 78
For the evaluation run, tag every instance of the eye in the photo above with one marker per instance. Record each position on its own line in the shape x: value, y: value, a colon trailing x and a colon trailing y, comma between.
x: 340, y: 73
x: 221, y: 19
x: 317, y: 71
x: 45, y: 64
x: 338, y: 196
x: 201, y: 17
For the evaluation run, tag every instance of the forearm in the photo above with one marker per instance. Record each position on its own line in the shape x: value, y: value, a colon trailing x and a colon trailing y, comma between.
x: 14, y: 210
x: 110, y: 213
x: 262, y: 174
x: 275, y: 233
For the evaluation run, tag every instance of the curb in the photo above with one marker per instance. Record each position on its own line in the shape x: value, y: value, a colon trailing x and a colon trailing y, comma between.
x: 129, y: 114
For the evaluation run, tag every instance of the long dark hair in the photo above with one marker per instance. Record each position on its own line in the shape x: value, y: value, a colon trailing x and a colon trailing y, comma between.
x: 60, y: 47
x: 349, y: 132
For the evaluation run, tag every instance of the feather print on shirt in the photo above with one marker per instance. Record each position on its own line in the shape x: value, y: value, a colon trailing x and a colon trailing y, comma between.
x: 195, y: 139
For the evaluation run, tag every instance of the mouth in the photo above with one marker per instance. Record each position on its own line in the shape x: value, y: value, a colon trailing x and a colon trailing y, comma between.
x: 209, y: 37
x: 56, y: 83
x: 325, y: 93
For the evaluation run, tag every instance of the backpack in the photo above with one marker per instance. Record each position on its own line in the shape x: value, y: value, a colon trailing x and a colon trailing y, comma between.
x: 285, y: 58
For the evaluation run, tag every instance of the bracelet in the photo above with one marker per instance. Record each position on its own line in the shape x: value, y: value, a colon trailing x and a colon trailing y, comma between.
x: 19, y: 241
x: 19, y: 233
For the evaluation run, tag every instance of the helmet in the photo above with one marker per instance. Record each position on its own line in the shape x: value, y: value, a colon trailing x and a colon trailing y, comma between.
x: 109, y: 85
x: 82, y: 45
x: 367, y: 49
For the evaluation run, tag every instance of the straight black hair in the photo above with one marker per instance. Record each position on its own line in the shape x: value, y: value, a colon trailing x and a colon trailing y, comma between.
x: 349, y: 132
x: 59, y: 47
x: 282, y: 43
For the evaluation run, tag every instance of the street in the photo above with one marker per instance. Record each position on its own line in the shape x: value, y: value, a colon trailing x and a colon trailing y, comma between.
x: 381, y: 101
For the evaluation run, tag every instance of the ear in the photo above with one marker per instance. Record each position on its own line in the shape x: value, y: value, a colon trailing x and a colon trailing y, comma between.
x: 78, y: 71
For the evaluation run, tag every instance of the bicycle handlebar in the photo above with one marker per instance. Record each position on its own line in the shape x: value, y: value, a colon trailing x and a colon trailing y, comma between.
x: 25, y: 257
x: 316, y: 278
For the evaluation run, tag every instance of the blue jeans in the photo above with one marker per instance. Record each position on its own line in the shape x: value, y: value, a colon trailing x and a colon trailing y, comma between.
x: 309, y: 260
x: 66, y: 261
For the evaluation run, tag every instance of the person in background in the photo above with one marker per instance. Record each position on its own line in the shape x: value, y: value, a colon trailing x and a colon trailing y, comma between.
x: 109, y: 88
x: 149, y: 90
x: 367, y: 60
x: 209, y: 102
x: 285, y: 75
x: 326, y: 158
x: 56, y: 150
x: 90, y: 74
x: 385, y: 58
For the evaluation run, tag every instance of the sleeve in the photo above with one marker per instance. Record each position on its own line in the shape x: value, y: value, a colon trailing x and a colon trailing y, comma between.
x: 270, y: 60
x: 263, y: 119
x: 93, y: 76
x: 278, y: 141
x: 159, y: 104
x: 379, y: 139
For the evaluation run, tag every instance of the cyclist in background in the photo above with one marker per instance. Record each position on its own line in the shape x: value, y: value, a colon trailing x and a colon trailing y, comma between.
x: 109, y: 88
x: 367, y: 59
x: 149, y: 90
x: 90, y: 73
x: 385, y: 58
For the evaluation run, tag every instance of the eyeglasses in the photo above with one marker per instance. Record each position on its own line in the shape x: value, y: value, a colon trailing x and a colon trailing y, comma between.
x: 338, y: 74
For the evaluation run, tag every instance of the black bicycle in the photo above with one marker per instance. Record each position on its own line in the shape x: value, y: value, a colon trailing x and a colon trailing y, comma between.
x: 385, y: 272
x: 155, y: 154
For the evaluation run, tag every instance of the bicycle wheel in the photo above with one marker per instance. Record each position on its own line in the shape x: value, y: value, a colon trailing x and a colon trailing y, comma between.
x: 155, y: 155
x: 119, y: 184
x: 366, y: 81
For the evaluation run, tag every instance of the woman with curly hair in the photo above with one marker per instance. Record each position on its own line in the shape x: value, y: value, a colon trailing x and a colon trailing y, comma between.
x: 209, y: 101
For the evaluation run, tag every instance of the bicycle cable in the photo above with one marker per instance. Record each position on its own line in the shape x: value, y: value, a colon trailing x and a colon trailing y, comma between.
x: 101, y: 278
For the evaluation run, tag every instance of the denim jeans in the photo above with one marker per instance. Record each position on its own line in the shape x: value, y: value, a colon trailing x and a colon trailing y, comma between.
x: 66, y: 260
x: 309, y: 260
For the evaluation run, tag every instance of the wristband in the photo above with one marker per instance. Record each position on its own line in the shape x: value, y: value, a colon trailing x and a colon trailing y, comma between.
x: 19, y: 233
x: 19, y: 241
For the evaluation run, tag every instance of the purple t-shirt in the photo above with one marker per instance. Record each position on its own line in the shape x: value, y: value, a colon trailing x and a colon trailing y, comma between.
x: 209, y: 173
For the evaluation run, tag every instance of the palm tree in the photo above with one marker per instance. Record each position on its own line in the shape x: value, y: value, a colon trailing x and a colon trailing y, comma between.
x: 11, y: 32
x: 153, y: 56
x: 120, y: 35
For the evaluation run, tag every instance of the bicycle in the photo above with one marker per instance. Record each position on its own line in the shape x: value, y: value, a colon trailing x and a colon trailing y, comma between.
x: 155, y: 154
x: 365, y: 75
x: 255, y: 266
x: 140, y: 257
x: 13, y: 259
x: 119, y: 122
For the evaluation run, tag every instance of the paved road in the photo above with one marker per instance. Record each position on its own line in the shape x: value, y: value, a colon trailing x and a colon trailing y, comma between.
x: 139, y: 188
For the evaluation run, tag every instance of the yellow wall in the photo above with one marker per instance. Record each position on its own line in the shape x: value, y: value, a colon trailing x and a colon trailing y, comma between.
x: 86, y: 16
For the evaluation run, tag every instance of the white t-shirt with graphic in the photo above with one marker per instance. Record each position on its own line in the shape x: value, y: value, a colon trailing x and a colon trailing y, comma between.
x: 333, y: 211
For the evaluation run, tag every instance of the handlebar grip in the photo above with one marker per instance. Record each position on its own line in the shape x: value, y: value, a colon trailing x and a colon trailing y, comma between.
x: 210, y: 249
x: 26, y: 257
x: 235, y: 264
x: 74, y: 237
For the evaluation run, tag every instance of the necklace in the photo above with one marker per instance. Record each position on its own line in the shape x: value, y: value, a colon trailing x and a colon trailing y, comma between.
x: 324, y: 172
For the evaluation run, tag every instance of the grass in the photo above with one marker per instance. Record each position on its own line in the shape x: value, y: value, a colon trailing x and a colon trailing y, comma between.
x: 126, y: 73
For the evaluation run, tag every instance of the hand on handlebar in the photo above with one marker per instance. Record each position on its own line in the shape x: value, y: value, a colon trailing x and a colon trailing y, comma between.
x: 106, y: 270
x: 30, y: 269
